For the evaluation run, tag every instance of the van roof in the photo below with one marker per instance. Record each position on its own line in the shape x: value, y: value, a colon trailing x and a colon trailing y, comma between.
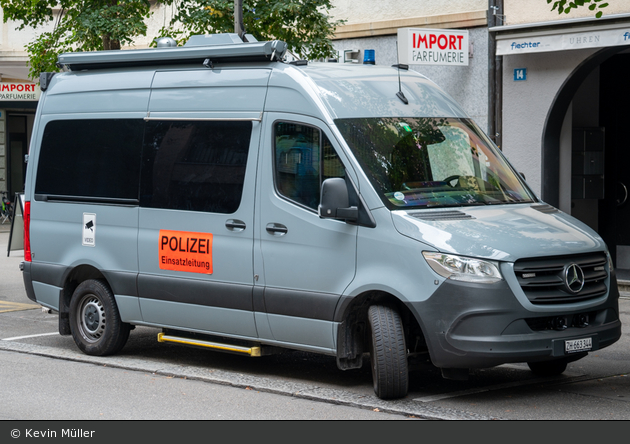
x: 342, y: 90
x: 363, y: 91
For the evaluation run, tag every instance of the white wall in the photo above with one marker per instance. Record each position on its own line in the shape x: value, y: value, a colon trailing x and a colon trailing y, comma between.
x: 526, y: 105
x: 375, y: 10
x: 13, y: 53
x: 530, y: 11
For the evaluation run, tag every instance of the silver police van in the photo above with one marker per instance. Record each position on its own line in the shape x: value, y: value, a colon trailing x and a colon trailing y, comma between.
x: 237, y: 201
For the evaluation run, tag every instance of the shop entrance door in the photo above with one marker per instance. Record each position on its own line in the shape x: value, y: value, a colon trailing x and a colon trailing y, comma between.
x: 614, y: 209
x: 17, y: 149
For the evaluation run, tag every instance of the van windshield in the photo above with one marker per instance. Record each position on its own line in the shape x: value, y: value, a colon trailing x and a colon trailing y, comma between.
x: 432, y: 162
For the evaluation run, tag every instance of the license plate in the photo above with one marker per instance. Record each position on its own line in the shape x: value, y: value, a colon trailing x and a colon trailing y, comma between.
x: 577, y: 345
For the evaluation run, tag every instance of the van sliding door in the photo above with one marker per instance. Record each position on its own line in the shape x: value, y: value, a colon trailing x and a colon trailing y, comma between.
x: 197, y: 201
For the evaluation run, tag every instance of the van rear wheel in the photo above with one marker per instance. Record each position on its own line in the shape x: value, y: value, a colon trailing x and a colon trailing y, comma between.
x: 388, y: 353
x: 94, y: 319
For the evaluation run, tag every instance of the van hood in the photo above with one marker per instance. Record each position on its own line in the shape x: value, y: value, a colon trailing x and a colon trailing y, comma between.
x: 502, y: 232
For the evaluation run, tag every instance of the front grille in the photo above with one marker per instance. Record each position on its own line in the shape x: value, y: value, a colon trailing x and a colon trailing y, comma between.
x: 543, y: 280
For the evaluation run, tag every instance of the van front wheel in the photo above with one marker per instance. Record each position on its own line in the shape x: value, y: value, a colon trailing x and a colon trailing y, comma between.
x: 94, y: 319
x: 388, y: 353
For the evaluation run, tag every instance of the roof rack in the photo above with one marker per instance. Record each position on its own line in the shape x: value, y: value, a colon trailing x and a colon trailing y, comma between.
x: 210, y: 49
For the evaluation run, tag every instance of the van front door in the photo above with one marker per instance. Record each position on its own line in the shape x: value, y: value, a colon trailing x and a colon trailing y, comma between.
x: 307, y: 261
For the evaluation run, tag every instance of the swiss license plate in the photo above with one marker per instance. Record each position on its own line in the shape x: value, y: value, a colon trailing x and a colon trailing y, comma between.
x: 576, y: 345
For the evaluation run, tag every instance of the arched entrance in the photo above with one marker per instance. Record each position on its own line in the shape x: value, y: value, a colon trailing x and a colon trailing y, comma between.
x: 600, y: 157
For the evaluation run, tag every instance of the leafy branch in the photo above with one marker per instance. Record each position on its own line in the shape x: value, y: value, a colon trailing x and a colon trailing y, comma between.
x: 565, y: 6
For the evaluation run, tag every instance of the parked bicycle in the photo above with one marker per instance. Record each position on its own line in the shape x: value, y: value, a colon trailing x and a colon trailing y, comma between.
x: 7, y: 208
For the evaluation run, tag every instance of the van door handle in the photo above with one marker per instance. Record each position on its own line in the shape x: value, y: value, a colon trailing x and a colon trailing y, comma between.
x: 235, y: 225
x: 277, y: 229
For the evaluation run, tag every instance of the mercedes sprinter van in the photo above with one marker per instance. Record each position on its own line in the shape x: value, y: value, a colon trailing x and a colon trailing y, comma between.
x: 237, y: 201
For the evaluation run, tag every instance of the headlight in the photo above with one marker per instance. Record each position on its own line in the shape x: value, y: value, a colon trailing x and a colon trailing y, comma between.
x: 464, y: 269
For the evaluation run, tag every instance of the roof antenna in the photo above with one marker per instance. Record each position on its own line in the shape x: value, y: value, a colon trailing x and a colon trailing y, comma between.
x: 400, y: 94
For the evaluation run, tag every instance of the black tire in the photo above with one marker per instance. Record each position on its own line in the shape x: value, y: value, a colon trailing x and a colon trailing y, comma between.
x: 548, y: 368
x: 388, y: 353
x: 94, y: 319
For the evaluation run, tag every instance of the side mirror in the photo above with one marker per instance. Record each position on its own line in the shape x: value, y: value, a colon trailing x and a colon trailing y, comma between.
x: 335, y: 203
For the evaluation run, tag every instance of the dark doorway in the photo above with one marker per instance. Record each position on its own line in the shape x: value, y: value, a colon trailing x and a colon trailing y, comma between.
x: 614, y: 116
x: 17, y: 143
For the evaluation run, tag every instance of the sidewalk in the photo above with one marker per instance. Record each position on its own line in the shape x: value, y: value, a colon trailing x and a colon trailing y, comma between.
x: 5, y: 231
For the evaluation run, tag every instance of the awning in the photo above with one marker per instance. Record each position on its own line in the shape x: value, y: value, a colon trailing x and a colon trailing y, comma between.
x: 562, y: 35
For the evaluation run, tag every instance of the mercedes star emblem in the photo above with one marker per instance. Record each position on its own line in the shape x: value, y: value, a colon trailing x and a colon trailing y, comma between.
x: 573, y: 278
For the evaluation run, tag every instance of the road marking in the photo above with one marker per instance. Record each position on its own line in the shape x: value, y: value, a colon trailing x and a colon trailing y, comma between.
x: 6, y: 306
x: 497, y: 386
x: 29, y: 336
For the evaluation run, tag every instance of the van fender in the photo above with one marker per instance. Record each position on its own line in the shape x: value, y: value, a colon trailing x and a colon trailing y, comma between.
x: 390, y: 270
x: 119, y: 282
x: 351, y: 319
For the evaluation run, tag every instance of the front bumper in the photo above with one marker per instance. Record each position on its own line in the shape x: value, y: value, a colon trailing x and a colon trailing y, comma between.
x: 480, y: 326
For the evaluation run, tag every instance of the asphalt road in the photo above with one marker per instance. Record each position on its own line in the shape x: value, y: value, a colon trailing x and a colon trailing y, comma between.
x: 40, y: 366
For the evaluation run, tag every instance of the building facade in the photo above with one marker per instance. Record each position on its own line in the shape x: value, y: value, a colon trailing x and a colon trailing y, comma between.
x: 18, y: 100
x: 375, y: 25
x: 564, y: 86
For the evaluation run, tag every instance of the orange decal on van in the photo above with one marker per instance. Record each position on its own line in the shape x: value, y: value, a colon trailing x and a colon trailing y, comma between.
x: 185, y: 251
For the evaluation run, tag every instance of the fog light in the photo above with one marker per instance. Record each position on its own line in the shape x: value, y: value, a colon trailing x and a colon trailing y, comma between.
x: 581, y: 321
x: 559, y: 323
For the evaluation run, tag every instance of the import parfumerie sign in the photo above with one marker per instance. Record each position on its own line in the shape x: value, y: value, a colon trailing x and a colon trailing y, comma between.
x: 422, y: 46
x: 19, y: 91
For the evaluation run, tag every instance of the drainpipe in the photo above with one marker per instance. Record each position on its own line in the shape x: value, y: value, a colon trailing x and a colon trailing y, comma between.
x: 495, y: 75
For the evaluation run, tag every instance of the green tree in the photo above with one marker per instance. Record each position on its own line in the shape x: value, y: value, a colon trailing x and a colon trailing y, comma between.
x: 565, y: 6
x: 303, y: 24
x: 81, y: 25
x: 77, y: 25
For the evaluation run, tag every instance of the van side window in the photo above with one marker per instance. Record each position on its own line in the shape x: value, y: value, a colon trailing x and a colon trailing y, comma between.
x: 304, y: 158
x: 90, y: 158
x: 194, y: 165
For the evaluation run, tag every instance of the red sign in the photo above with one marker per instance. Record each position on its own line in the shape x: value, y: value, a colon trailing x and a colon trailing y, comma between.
x: 185, y: 251
x: 432, y: 46
x: 19, y: 91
